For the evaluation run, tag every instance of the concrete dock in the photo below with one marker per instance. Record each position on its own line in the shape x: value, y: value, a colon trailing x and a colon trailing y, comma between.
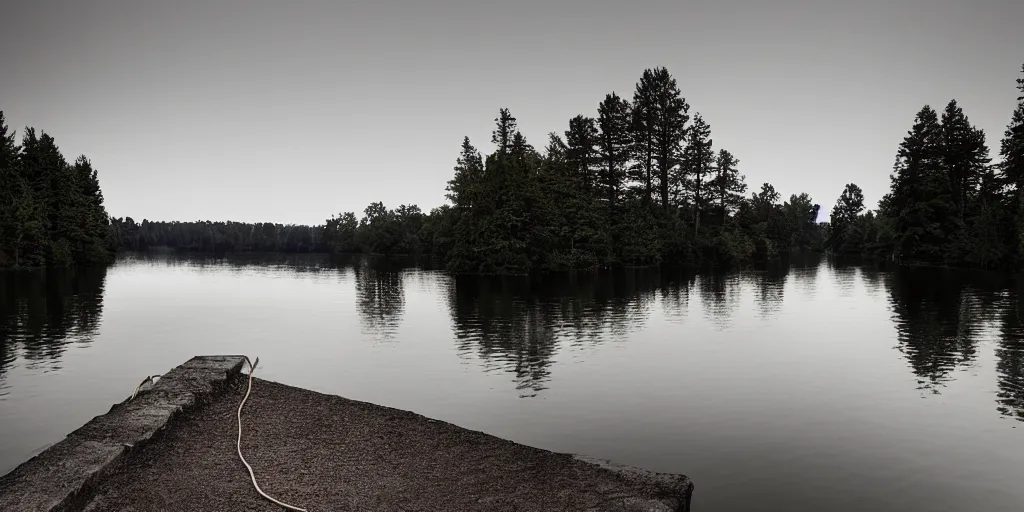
x: 173, y: 448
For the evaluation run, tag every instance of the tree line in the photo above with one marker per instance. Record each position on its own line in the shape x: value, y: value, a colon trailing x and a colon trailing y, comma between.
x: 51, y: 211
x: 948, y: 203
x: 639, y: 183
x: 215, y: 237
x: 379, y: 231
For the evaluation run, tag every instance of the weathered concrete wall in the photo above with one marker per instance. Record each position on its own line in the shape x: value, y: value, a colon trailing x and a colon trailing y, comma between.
x: 678, y: 489
x: 62, y: 476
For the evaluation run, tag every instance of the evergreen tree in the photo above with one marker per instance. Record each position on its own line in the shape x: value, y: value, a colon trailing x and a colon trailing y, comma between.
x: 1011, y: 175
x: 555, y: 159
x: 562, y: 208
x: 698, y: 162
x: 88, y: 219
x: 727, y: 186
x: 920, y: 196
x: 964, y: 155
x: 614, y: 142
x: 581, y: 140
x: 494, y: 235
x: 669, y: 130
x: 525, y: 157
x: 555, y: 183
x: 51, y: 213
x: 470, y: 204
x: 469, y: 168
x: 45, y: 171
x: 14, y: 196
x: 504, y: 131
x: 642, y: 128
x: 965, y: 161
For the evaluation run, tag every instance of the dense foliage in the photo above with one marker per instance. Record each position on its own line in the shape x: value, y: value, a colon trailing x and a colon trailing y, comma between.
x: 639, y: 184
x: 948, y: 203
x: 51, y: 211
x: 215, y: 237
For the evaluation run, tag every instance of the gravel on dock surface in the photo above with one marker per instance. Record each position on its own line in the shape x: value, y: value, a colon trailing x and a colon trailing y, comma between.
x: 327, y: 453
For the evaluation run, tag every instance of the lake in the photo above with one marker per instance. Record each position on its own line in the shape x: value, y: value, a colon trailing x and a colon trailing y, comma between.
x: 806, y: 386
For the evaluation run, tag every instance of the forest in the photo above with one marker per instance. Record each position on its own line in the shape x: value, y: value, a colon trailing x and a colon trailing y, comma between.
x: 639, y: 183
x: 51, y: 211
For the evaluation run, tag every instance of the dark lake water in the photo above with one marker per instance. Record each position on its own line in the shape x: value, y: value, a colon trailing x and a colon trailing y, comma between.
x: 805, y: 387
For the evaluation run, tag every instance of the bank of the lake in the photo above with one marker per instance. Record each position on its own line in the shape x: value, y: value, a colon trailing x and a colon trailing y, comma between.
x: 173, y: 447
x: 811, y: 387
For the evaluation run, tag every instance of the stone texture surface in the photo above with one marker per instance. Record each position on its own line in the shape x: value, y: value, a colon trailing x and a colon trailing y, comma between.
x: 64, y: 476
x: 327, y: 453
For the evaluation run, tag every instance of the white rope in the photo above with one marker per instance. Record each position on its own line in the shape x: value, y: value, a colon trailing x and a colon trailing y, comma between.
x: 139, y: 387
x: 252, y: 368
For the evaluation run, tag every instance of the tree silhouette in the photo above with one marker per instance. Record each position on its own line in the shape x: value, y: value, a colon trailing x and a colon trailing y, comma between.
x: 584, y: 201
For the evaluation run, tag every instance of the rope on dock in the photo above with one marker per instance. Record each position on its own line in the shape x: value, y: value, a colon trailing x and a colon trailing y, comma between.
x: 252, y: 368
x: 139, y: 387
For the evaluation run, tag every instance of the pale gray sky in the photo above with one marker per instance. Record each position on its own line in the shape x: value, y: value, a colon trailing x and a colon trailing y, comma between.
x: 291, y: 111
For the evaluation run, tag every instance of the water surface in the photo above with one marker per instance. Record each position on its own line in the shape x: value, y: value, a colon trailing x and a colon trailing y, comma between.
x: 804, y: 387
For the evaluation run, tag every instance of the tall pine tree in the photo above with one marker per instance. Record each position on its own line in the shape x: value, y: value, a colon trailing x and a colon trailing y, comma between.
x: 469, y: 169
x: 964, y: 156
x: 613, y: 116
x: 698, y: 160
x: 18, y: 217
x: 644, y: 123
x: 581, y: 155
x: 727, y: 186
x: 920, y: 197
x: 669, y: 130
x: 1011, y: 174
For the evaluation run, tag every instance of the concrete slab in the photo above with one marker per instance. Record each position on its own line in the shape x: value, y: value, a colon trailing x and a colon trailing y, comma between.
x: 63, y: 476
x: 173, y: 448
x: 324, y: 452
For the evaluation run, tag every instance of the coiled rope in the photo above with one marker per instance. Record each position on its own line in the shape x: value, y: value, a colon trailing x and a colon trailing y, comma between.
x: 252, y: 368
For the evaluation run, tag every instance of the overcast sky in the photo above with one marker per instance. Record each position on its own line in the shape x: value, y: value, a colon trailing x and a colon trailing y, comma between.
x: 291, y: 111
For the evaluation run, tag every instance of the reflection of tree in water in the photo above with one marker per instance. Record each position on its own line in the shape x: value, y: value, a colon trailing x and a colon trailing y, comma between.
x: 380, y: 298
x: 805, y: 273
x: 771, y: 284
x: 42, y: 312
x: 873, y: 280
x: 719, y: 295
x: 802, y: 260
x: 937, y: 319
x: 237, y: 263
x: 845, y: 277
x: 675, y: 295
x: 508, y: 332
x: 1010, y: 359
x: 516, y: 324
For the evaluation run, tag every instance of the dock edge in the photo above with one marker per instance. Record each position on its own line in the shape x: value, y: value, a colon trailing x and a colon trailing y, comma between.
x: 63, y: 476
